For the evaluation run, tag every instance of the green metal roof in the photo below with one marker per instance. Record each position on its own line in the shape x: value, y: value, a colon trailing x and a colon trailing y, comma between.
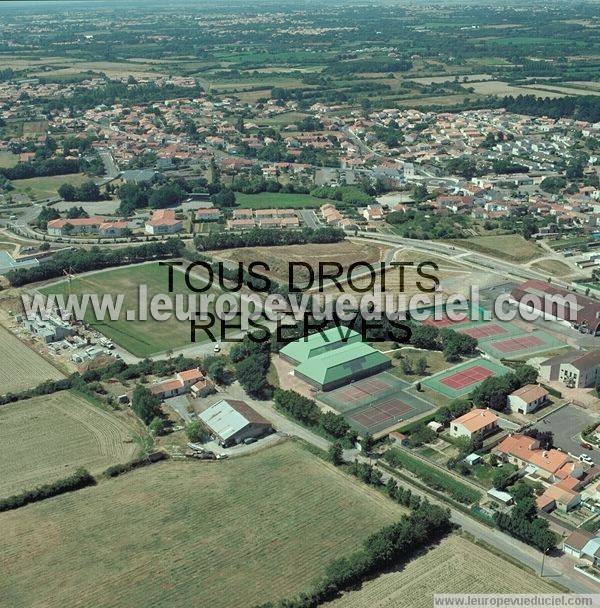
x: 343, y: 362
x: 319, y: 343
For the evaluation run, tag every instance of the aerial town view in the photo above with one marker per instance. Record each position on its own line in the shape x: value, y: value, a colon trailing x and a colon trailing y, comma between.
x: 299, y: 304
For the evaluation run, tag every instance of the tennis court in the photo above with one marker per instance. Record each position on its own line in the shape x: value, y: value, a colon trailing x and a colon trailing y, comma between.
x: 462, y: 379
x: 486, y: 330
x: 445, y: 321
x: 521, y: 345
x: 383, y: 414
x: 375, y: 404
x: 362, y: 392
x: 390, y: 410
x: 467, y: 377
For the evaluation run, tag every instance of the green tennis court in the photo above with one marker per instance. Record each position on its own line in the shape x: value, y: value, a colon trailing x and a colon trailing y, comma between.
x: 462, y: 379
x: 362, y: 392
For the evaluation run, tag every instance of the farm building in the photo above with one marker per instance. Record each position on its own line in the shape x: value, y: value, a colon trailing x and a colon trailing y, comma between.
x: 586, y: 310
x: 342, y: 365
x: 231, y: 421
x: 318, y: 343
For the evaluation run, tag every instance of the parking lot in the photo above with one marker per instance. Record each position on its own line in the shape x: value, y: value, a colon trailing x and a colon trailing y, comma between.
x: 567, y: 424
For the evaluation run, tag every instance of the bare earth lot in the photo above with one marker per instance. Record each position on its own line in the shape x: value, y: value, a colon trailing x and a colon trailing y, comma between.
x: 20, y: 366
x: 180, y: 534
x: 456, y: 565
x: 344, y: 253
x: 48, y: 437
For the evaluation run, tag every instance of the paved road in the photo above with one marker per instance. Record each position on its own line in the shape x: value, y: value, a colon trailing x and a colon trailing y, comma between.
x: 110, y: 165
x: 477, y: 260
x: 310, y: 218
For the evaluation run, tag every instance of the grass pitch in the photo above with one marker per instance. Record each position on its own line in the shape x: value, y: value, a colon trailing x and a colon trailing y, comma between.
x: 141, y: 338
x: 48, y: 437
x: 224, y: 534
x: 45, y: 187
x: 20, y: 366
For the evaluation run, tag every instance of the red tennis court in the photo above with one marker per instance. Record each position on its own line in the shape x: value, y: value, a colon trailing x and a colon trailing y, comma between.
x: 390, y: 409
x: 483, y: 331
x: 466, y: 377
x: 520, y: 343
x: 445, y: 321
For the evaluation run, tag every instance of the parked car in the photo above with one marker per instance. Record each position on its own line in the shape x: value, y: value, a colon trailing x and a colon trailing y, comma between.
x: 585, y: 458
x: 587, y: 446
x: 249, y: 440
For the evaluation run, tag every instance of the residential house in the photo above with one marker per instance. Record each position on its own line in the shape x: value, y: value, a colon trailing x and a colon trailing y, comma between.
x: 477, y: 421
x: 527, y: 399
x: 208, y: 215
x: 163, y: 221
x: 67, y: 227
x: 182, y: 383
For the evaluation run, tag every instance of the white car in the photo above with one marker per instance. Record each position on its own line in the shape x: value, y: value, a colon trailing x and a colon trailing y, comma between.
x: 585, y: 458
x: 217, y: 348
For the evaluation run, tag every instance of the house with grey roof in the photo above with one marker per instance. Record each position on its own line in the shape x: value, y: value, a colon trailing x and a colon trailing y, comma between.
x: 576, y: 369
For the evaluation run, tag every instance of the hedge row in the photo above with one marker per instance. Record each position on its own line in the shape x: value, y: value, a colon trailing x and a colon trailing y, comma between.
x: 119, y: 469
x: 81, y: 478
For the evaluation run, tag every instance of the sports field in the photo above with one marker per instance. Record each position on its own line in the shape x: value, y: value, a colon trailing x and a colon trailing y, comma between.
x: 20, y: 366
x: 456, y: 565
x: 48, y: 437
x: 47, y: 186
x: 227, y: 534
x: 503, y: 347
x: 376, y: 403
x: 141, y: 338
x: 462, y: 379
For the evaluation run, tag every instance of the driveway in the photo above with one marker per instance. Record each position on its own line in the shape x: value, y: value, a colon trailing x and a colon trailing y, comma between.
x: 567, y: 423
x: 180, y: 405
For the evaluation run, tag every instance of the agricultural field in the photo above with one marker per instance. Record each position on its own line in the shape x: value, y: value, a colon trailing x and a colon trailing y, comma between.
x: 20, y: 366
x: 456, y: 565
x: 139, y: 337
x: 234, y: 533
x: 45, y: 187
x: 511, y: 247
x: 46, y: 438
x: 278, y: 258
x: 275, y: 200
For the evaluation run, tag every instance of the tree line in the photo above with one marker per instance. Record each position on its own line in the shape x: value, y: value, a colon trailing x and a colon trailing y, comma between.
x: 262, y: 237
x: 82, y: 260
